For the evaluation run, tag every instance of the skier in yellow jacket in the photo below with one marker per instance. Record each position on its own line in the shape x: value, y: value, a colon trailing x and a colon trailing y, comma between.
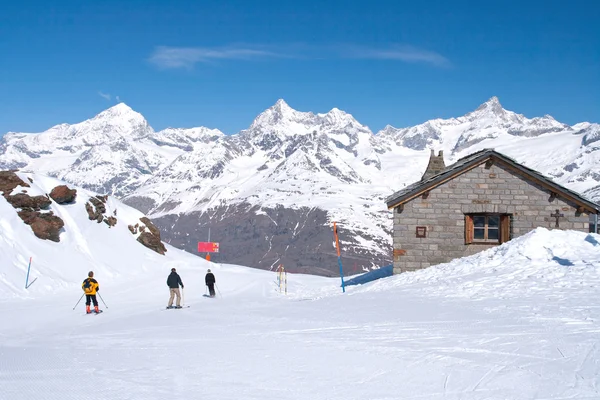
x: 90, y: 286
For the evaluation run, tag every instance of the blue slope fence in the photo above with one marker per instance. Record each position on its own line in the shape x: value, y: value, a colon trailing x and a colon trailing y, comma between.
x: 382, y: 272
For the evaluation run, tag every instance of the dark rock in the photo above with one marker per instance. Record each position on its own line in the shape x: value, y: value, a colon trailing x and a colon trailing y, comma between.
x: 110, y: 221
x: 150, y: 239
x: 45, y: 226
x: 95, y: 209
x: 28, y: 215
x: 98, y: 203
x: 152, y: 242
x: 90, y: 210
x: 8, y: 181
x: 22, y: 200
x: 63, y: 195
x: 153, y: 229
x: 132, y: 229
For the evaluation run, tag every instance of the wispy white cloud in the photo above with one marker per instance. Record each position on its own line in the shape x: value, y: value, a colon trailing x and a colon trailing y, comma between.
x: 187, y: 57
x: 166, y: 57
x: 398, y: 52
x: 106, y: 96
x: 118, y: 99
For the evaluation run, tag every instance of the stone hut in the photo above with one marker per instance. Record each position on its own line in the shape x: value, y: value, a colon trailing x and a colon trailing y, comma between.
x: 480, y: 201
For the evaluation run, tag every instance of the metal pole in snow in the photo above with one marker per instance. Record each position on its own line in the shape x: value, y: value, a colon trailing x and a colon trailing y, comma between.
x: 27, y: 284
x: 102, y: 299
x: 79, y: 301
x: 337, y: 245
x: 28, y: 268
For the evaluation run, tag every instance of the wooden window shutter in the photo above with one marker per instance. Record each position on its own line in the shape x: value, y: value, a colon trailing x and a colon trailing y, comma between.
x: 504, y: 228
x: 468, y: 229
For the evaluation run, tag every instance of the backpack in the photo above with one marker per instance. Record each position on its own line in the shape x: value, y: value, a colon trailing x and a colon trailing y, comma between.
x: 87, y: 286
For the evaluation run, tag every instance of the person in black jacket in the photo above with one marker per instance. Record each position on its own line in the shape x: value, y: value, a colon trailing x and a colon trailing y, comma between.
x: 210, y: 282
x: 174, y: 281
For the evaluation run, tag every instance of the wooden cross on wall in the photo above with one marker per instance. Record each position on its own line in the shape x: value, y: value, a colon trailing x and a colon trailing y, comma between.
x: 557, y: 215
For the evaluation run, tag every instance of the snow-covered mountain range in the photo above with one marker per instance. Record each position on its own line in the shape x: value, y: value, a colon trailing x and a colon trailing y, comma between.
x: 270, y: 193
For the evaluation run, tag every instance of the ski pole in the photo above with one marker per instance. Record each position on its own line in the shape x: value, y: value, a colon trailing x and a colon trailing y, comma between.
x: 79, y: 301
x: 102, y: 300
x: 182, y: 297
x: 219, y: 290
x: 206, y: 287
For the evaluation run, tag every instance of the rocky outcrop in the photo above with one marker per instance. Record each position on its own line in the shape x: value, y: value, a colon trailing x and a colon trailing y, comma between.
x: 152, y: 242
x: 153, y: 229
x: 96, y: 209
x: 45, y: 226
x: 63, y: 195
x: 151, y: 238
x: 110, y: 221
x: 8, y: 181
x: 24, y: 201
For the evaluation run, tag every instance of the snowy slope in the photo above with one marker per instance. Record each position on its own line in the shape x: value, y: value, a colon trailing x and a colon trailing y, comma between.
x: 515, y: 322
x: 286, y: 164
x: 113, y: 253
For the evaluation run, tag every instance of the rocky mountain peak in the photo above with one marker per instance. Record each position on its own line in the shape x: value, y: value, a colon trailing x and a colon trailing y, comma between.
x: 279, y: 113
x: 281, y: 107
x: 491, y: 106
x: 119, y: 111
x: 337, y: 116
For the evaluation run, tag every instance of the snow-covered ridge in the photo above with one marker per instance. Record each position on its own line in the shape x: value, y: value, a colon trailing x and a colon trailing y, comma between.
x: 294, y: 160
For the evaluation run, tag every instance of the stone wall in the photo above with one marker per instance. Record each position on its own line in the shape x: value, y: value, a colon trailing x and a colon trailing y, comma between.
x: 492, y: 189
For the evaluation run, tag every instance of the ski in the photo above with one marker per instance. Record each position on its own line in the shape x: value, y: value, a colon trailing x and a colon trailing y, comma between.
x: 175, y: 308
x: 94, y: 312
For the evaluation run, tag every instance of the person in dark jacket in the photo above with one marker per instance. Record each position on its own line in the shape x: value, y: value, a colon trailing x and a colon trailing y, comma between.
x: 90, y: 287
x: 173, y: 282
x: 210, y: 282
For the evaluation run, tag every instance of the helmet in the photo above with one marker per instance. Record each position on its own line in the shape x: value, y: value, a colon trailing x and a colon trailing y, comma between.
x: 91, y: 274
x: 208, y: 270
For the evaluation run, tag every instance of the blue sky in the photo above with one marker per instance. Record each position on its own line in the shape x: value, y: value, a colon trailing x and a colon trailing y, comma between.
x: 220, y: 63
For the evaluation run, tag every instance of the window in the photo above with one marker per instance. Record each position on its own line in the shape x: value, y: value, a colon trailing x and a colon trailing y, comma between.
x: 487, y: 228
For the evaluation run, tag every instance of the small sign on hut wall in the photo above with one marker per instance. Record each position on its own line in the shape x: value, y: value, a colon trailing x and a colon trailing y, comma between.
x: 421, y: 231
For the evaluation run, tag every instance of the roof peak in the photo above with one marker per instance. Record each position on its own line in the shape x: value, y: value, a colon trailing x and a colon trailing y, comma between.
x: 483, y: 156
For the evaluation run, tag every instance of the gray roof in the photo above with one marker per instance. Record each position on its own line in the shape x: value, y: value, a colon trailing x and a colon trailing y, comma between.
x: 473, y: 160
